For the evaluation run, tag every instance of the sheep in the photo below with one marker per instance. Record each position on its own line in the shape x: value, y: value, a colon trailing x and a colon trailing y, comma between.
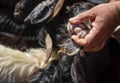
x: 98, y: 67
x: 60, y: 67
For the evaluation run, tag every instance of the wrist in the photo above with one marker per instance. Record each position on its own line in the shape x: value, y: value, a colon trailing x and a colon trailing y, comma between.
x: 113, y: 0
x: 117, y: 3
x: 115, y: 10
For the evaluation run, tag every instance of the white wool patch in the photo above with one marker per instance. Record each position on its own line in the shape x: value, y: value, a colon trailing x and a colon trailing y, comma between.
x: 16, y: 65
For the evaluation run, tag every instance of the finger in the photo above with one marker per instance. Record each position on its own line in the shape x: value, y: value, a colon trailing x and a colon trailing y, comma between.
x: 82, y: 17
x: 99, y: 47
x: 92, y: 48
x: 78, y: 41
x: 95, y: 48
x: 88, y: 39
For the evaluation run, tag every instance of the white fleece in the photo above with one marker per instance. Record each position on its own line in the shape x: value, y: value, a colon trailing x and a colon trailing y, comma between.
x: 16, y: 65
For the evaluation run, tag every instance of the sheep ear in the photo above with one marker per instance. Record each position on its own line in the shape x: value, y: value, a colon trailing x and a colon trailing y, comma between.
x: 57, y: 8
x: 49, y: 45
x: 44, y: 11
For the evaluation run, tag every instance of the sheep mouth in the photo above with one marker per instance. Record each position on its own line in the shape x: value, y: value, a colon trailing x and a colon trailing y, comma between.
x: 81, y: 30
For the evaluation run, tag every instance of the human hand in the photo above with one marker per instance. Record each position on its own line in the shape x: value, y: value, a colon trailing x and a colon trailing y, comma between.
x: 113, y: 0
x: 105, y: 18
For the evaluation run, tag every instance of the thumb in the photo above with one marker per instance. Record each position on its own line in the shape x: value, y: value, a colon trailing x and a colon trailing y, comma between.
x: 87, y: 15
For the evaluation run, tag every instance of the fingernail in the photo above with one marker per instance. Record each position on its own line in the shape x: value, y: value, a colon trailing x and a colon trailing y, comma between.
x: 73, y: 20
x: 73, y: 36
